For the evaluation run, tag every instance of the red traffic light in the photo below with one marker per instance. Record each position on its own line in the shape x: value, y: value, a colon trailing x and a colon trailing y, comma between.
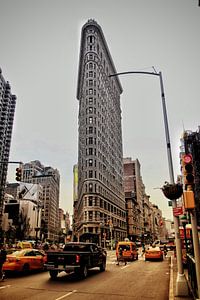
x: 187, y: 158
x: 188, y: 169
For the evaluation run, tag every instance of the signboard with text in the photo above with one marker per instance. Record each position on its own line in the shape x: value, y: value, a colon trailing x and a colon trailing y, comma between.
x: 177, y: 211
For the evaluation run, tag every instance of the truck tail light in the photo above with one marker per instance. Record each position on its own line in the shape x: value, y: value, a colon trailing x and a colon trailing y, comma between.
x: 77, y: 258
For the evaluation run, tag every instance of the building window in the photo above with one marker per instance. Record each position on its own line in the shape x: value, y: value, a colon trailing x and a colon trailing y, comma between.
x: 90, y: 129
x: 90, y: 162
x: 90, y: 219
x: 90, y: 120
x: 90, y: 151
x: 90, y: 174
x: 90, y: 187
x: 90, y: 201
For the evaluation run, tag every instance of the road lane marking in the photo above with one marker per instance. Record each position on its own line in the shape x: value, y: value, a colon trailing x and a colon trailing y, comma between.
x: 5, y: 286
x: 125, y: 267
x: 66, y: 295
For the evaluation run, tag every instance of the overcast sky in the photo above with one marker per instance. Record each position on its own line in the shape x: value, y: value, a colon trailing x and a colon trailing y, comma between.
x: 39, y: 53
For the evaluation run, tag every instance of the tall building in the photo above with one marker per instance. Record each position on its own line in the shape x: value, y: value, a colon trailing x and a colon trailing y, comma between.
x: 7, y: 110
x: 49, y: 178
x: 101, y: 203
x: 135, y: 194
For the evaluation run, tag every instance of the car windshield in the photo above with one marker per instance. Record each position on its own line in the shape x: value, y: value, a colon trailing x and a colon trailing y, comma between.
x: 73, y: 247
x: 18, y: 253
x: 125, y: 247
x: 154, y: 248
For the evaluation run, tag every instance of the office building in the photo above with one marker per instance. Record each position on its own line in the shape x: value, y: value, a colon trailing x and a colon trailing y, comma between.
x: 49, y: 179
x: 100, y: 208
x: 7, y: 111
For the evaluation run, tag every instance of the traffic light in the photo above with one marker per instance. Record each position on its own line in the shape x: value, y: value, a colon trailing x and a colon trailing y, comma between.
x: 18, y: 174
x: 188, y: 170
x: 189, y: 202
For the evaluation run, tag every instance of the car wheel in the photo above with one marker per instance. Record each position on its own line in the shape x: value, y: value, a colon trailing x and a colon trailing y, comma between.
x: 53, y: 274
x: 25, y: 268
x: 103, y: 266
x: 84, y: 271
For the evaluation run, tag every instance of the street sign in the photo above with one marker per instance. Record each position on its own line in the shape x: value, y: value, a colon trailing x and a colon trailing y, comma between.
x: 177, y: 211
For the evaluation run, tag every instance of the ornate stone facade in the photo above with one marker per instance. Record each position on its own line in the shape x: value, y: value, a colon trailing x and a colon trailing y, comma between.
x: 99, y: 213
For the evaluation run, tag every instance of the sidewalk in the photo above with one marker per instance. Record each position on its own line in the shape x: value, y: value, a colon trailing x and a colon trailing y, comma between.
x: 173, y: 277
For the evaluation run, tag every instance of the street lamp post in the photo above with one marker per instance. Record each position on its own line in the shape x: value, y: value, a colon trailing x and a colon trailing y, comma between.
x: 181, y: 284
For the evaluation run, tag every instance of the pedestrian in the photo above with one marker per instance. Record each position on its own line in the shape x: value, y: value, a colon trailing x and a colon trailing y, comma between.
x: 3, y: 255
x: 120, y: 256
x: 165, y: 250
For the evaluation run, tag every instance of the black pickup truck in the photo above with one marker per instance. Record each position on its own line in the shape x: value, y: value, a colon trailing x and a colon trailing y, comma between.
x: 75, y: 257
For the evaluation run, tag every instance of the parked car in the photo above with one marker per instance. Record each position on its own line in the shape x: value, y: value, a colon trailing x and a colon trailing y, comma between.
x: 76, y: 257
x: 25, y: 260
x: 129, y: 250
x: 153, y: 253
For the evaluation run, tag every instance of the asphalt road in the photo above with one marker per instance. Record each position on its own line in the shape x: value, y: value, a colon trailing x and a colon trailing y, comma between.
x: 137, y: 280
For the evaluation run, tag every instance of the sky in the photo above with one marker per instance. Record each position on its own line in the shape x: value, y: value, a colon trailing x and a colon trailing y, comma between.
x: 39, y: 56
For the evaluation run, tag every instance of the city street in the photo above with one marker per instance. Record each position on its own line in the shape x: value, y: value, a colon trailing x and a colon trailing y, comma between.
x: 136, y: 280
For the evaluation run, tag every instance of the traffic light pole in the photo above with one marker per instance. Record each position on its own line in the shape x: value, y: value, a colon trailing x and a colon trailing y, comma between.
x: 181, y: 284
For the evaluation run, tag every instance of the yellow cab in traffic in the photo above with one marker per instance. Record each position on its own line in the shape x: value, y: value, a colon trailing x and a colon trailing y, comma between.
x: 153, y: 253
x: 25, y: 260
x: 24, y: 245
x: 128, y: 249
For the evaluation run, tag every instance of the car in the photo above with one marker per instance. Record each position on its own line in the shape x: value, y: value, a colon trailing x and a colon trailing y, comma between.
x: 24, y: 245
x: 153, y: 253
x: 129, y: 250
x: 77, y: 257
x: 25, y: 260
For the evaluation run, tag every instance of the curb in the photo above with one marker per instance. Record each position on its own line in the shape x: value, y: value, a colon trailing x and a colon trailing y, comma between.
x: 171, y: 282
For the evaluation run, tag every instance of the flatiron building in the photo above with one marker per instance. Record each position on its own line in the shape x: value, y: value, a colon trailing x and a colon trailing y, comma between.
x: 99, y: 210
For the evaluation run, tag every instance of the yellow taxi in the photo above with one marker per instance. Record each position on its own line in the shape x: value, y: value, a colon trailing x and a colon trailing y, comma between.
x: 153, y: 253
x: 24, y: 245
x: 129, y: 250
x: 25, y: 260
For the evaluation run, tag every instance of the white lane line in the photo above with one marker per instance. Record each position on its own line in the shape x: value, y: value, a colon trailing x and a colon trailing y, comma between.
x: 66, y: 295
x: 4, y: 287
x: 125, y: 267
